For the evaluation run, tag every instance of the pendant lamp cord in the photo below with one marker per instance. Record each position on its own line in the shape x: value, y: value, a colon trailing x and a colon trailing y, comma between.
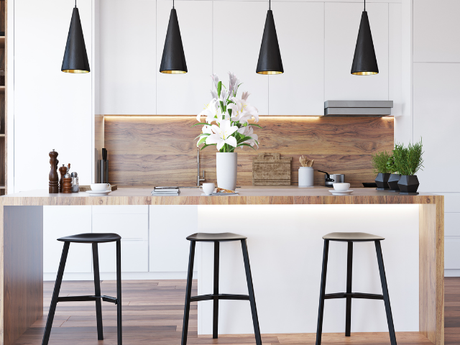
x: 173, y: 3
x: 269, y: 4
x: 75, y: 3
x: 364, y: 5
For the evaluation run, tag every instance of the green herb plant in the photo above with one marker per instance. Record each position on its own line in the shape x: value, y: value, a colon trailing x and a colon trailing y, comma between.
x: 379, y: 162
x: 408, y: 160
x: 391, y: 165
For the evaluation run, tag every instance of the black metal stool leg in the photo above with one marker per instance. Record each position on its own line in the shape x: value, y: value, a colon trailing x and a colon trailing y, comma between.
x: 188, y: 293
x: 215, y: 314
x: 386, y: 297
x: 349, y: 280
x: 119, y: 324
x: 54, y: 299
x: 322, y: 293
x: 252, y: 300
x: 97, y: 292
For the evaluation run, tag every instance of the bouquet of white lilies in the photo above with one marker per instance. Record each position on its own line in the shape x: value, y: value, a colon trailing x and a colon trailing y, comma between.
x: 227, y: 118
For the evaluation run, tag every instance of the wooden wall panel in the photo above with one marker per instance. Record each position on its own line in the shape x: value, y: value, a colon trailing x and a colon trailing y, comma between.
x: 159, y: 150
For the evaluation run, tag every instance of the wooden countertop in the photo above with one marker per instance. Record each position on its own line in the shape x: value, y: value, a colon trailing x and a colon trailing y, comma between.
x: 247, y: 196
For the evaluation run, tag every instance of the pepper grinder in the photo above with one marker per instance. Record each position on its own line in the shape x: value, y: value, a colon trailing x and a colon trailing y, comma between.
x: 53, y: 175
x: 63, y: 171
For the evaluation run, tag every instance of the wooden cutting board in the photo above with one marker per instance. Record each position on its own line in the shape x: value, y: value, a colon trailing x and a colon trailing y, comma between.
x: 269, y: 169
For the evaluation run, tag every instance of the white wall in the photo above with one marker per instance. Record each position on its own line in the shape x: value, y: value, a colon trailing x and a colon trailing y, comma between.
x: 434, y: 106
x: 47, y: 109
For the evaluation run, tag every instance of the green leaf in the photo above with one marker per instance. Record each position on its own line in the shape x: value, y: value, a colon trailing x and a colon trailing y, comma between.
x: 200, y: 124
x: 219, y: 88
x: 244, y: 144
x: 202, y: 140
x: 206, y: 145
x: 258, y: 126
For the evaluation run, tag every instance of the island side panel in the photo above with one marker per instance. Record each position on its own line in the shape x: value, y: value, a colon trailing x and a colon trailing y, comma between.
x: 23, y: 269
x: 432, y: 271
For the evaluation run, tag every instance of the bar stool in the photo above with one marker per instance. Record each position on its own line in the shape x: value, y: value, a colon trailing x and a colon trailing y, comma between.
x: 216, y: 296
x: 351, y: 237
x: 94, y: 239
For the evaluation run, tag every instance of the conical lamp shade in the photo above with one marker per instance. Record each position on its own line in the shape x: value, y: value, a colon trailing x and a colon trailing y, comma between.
x: 270, y: 57
x: 75, y: 57
x: 173, y: 60
x: 364, y: 61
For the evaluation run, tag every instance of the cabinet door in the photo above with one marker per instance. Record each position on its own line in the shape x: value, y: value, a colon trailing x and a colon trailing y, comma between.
x: 237, y: 35
x: 131, y: 223
x: 60, y: 221
x: 300, y: 29
x: 186, y: 94
x: 127, y: 53
x: 341, y: 31
x: 169, y: 227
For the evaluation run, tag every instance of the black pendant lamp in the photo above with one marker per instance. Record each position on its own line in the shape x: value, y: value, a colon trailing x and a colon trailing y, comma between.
x: 75, y: 56
x: 270, y: 57
x: 364, y: 61
x: 173, y: 60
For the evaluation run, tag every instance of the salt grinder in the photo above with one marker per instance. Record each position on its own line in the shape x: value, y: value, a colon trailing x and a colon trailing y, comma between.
x: 75, y: 183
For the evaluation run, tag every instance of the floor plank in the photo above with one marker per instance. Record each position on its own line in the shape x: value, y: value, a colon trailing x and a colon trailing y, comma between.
x: 153, y: 311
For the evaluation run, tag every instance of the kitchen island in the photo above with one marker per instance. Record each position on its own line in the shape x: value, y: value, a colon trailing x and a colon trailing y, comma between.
x: 22, y: 274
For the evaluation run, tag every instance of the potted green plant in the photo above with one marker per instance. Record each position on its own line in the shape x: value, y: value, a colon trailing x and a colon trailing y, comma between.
x: 379, y: 162
x: 394, y: 175
x: 408, y: 160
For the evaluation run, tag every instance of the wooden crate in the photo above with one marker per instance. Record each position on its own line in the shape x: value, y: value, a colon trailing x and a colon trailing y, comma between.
x: 269, y: 169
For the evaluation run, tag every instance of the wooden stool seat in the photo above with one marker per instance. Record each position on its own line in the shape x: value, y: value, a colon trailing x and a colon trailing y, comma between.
x: 91, y: 238
x: 352, y: 236
x: 221, y: 237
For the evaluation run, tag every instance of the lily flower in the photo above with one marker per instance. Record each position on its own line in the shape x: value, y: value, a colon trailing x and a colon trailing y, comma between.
x: 210, y: 112
x: 222, y: 135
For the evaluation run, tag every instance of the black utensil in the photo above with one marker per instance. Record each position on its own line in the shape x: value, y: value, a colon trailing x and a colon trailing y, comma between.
x: 104, y: 154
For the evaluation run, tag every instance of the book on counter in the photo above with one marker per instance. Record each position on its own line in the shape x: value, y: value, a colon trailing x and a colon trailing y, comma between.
x: 165, y: 191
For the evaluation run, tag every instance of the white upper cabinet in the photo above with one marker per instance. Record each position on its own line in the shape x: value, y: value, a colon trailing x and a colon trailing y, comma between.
x: 436, y: 25
x: 300, y: 29
x: 237, y: 35
x: 186, y: 94
x: 342, y: 25
x: 127, y: 57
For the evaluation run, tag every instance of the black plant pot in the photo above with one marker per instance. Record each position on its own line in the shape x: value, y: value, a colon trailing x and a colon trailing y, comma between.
x: 408, y: 184
x: 382, y: 181
x: 393, y: 182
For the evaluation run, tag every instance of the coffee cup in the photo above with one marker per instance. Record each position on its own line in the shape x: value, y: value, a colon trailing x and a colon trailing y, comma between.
x: 341, y: 187
x: 208, y: 188
x: 99, y: 187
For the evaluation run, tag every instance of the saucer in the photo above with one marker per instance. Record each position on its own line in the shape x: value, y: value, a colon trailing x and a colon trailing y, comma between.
x: 98, y: 192
x: 345, y: 192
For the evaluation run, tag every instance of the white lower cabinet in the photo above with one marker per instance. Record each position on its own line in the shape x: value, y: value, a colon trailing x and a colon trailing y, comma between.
x: 153, y: 241
x: 60, y: 221
x: 169, y: 227
x: 132, y: 224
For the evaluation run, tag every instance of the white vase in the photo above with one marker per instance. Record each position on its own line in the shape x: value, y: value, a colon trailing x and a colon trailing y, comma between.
x: 226, y: 170
x: 306, y: 177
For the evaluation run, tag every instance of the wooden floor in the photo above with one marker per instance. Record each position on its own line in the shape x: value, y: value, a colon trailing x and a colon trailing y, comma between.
x: 153, y: 310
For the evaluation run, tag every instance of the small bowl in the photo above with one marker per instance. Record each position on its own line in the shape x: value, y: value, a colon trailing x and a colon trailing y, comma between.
x: 341, y: 187
x: 99, y: 186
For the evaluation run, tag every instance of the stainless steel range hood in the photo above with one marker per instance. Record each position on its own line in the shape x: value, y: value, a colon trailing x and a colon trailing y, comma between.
x: 358, y: 108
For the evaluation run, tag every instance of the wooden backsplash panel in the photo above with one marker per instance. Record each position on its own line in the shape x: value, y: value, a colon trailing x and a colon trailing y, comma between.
x: 153, y: 150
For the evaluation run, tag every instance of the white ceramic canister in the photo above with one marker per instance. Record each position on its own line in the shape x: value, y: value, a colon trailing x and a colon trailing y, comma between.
x: 306, y: 177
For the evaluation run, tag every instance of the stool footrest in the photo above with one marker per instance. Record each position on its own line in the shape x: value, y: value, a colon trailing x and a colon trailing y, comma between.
x: 352, y: 295
x: 87, y: 298
x: 219, y: 296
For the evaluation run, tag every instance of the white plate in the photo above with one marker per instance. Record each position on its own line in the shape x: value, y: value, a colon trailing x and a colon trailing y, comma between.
x: 98, y: 192
x: 336, y: 192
